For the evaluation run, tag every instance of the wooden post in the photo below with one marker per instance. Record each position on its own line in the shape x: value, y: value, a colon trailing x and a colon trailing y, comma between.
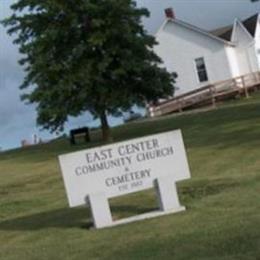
x: 213, y: 99
x: 235, y: 83
x: 255, y: 77
x: 150, y: 110
x: 255, y: 81
x: 180, y: 105
x: 244, y: 86
x: 258, y: 77
x: 258, y: 81
x: 237, y: 87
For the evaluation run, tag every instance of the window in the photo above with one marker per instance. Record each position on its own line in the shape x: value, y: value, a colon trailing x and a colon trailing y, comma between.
x: 201, y: 69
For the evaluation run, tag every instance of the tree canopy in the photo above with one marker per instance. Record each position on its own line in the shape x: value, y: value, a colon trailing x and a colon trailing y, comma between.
x: 86, y: 55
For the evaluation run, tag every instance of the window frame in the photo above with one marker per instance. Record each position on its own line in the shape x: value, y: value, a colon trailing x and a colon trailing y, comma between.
x: 198, y: 71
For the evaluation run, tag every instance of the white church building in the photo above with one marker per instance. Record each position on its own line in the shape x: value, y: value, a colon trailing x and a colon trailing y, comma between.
x: 201, y: 57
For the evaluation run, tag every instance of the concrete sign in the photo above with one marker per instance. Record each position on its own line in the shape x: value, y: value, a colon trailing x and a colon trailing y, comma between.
x: 97, y: 174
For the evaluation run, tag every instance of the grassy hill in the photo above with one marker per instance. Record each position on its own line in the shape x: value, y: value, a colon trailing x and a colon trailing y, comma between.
x: 222, y: 220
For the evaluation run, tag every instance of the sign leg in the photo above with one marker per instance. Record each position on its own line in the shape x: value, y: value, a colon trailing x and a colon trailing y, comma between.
x: 100, y: 210
x: 167, y: 195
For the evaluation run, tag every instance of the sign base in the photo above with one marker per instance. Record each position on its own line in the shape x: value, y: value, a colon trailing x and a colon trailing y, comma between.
x: 166, y: 194
x: 144, y: 216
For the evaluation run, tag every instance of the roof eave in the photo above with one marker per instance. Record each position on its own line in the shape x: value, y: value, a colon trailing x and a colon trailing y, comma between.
x: 197, y: 29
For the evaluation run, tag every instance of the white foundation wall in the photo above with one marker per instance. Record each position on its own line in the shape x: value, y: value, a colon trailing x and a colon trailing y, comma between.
x: 179, y: 47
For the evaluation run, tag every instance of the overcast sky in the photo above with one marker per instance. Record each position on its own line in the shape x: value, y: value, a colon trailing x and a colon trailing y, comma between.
x: 17, y: 121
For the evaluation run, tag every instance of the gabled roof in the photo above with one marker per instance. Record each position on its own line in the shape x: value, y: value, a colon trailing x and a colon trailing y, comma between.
x: 194, y: 28
x: 226, y: 32
x: 223, y: 34
x: 251, y: 23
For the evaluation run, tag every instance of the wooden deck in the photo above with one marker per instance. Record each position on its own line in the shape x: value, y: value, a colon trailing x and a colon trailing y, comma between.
x: 208, y: 95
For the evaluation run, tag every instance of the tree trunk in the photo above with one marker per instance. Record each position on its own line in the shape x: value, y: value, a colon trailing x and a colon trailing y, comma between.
x: 106, y: 133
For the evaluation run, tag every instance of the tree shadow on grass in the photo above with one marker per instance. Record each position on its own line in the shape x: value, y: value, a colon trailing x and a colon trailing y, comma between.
x: 60, y: 218
x: 64, y: 218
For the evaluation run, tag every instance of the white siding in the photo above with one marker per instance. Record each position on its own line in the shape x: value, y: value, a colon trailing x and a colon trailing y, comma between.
x: 245, y: 50
x: 252, y: 54
x: 257, y: 42
x: 233, y: 61
x: 180, y: 46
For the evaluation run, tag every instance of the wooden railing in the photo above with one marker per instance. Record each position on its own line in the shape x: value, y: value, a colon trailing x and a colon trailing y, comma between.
x: 208, y: 95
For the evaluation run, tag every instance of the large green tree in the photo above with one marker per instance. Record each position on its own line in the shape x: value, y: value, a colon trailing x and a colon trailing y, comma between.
x: 86, y: 55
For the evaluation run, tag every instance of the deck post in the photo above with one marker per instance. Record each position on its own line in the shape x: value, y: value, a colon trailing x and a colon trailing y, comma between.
x: 180, y: 105
x: 150, y: 110
x: 244, y: 86
x: 213, y: 99
x: 255, y: 77
x: 237, y: 87
x: 258, y: 80
x: 235, y: 83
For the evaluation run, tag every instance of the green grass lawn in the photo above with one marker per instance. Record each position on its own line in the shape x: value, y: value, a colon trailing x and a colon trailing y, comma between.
x: 222, y: 220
